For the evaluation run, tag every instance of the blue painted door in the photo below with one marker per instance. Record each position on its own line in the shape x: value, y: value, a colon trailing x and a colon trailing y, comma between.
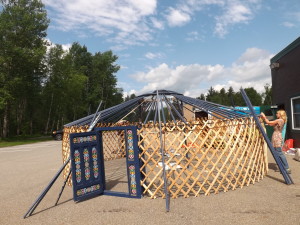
x: 86, y: 165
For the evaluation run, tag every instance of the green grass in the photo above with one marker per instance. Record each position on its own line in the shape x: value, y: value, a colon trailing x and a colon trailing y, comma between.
x: 23, y: 140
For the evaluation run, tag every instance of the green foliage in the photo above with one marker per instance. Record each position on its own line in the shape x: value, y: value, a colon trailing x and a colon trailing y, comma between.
x: 41, y: 90
x: 231, y: 98
x: 254, y: 96
x: 23, y: 27
x: 267, y: 95
x: 201, y: 97
x: 76, y: 83
x: 21, y: 140
x: 132, y: 96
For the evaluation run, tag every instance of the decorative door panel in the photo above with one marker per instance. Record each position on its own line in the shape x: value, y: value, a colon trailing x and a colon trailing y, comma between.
x: 87, y: 165
x: 127, y: 146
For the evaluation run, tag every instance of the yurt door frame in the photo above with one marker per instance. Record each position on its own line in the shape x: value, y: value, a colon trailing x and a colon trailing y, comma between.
x: 130, y: 139
x: 87, y: 163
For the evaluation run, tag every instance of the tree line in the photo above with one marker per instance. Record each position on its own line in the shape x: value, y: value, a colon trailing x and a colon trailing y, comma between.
x: 232, y: 98
x: 42, y: 86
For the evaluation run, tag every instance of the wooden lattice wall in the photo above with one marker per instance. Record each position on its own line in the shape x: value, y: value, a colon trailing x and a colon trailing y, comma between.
x: 203, y: 157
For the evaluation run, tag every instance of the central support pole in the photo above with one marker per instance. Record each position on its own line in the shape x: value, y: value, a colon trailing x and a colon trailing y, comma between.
x: 158, y: 109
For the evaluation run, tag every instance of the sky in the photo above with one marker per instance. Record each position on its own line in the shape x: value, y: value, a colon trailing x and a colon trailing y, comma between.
x: 186, y: 46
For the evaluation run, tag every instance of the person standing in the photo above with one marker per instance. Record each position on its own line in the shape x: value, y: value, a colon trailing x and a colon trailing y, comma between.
x: 277, y: 140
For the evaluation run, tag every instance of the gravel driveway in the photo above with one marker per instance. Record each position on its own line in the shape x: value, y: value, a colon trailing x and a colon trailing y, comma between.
x: 26, y: 170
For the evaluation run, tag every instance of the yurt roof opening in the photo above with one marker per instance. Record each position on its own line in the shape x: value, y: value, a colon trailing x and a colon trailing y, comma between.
x: 219, y: 152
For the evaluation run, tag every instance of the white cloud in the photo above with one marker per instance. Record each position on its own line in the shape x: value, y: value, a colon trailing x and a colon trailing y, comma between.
x: 194, y: 36
x: 181, y: 78
x: 157, y: 23
x: 232, y: 12
x: 134, y: 22
x: 250, y: 70
x: 122, y: 67
x: 235, y: 12
x: 253, y: 55
x: 150, y: 55
x: 177, y: 17
x: 124, y: 18
x: 288, y: 24
x: 49, y: 44
x: 66, y: 47
x: 118, y: 48
x: 128, y: 93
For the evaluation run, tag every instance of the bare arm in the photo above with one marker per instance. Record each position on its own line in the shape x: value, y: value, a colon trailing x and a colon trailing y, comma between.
x: 271, y: 123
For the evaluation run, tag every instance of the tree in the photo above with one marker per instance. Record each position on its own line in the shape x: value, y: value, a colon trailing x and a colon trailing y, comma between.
x: 132, y: 96
x: 201, y: 97
x: 224, y: 100
x: 267, y: 95
x: 42, y: 90
x: 76, y: 83
x: 231, y: 98
x: 253, y: 96
x: 55, y: 87
x: 102, y: 80
x: 213, y: 96
x: 23, y: 25
x: 230, y: 95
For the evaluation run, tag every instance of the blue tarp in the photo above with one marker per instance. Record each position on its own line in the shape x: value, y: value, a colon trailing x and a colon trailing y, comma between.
x: 246, y: 109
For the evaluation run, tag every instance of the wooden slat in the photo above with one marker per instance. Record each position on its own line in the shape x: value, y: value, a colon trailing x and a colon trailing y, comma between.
x: 202, y: 157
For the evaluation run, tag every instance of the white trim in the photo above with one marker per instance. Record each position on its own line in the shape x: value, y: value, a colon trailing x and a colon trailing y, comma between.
x: 292, y: 113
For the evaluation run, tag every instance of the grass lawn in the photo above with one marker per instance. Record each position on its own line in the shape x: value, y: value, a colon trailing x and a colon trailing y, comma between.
x: 23, y: 140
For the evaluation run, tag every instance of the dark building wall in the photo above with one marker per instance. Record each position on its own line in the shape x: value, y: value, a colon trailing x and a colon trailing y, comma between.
x: 286, y: 84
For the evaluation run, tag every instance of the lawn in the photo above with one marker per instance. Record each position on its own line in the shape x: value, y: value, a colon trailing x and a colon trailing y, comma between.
x: 21, y: 140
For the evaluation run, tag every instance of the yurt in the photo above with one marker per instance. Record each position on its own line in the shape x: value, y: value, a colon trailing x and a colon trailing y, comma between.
x: 167, y: 144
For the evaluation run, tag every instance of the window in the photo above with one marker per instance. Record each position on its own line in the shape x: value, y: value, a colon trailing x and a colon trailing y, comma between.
x: 295, y: 106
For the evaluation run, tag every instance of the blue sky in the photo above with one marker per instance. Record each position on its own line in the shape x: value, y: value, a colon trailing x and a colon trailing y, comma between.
x: 180, y: 45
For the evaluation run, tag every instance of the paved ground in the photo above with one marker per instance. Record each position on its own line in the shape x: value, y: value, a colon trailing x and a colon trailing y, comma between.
x: 26, y: 170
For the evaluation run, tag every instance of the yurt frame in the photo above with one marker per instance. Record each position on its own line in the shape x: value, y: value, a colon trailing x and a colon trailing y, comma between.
x: 220, y: 153
x: 165, y: 158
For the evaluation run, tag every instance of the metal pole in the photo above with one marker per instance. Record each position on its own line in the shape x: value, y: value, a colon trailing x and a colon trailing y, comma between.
x: 149, y: 111
x: 40, y: 198
x: 175, y: 110
x: 63, y: 187
x: 163, y: 156
x: 96, y: 113
x: 286, y: 176
x: 169, y: 109
x: 156, y: 111
x: 162, y: 111
x: 95, y: 119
